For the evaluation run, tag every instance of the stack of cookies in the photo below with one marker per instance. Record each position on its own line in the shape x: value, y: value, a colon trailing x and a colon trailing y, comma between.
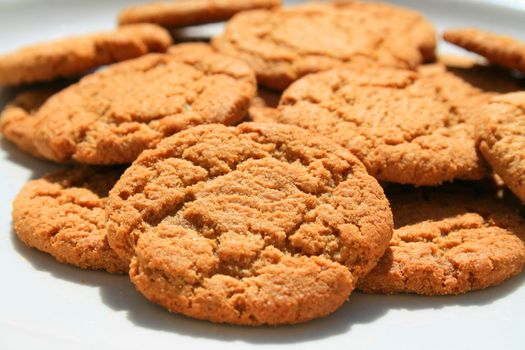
x: 304, y: 153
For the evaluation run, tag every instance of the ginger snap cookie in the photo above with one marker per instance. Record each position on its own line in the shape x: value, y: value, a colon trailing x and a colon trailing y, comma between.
x: 254, y: 224
x: 502, y: 139
x: 180, y: 13
x: 63, y: 214
x: 502, y: 50
x: 284, y: 44
x: 111, y: 116
x: 448, y: 243
x: 488, y: 78
x: 405, y: 126
x: 76, y: 55
x: 17, y: 119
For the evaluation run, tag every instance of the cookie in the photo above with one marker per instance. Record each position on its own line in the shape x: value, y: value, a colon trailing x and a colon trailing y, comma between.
x: 284, y: 44
x: 263, y: 106
x: 502, y: 50
x: 488, y: 78
x: 76, y: 55
x: 405, y: 126
x: 63, y: 214
x: 255, y: 224
x: 502, y: 139
x: 190, y: 12
x: 111, y: 116
x: 17, y: 119
x: 448, y: 243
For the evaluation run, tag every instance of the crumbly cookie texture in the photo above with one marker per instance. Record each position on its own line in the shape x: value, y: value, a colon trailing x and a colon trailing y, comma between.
x: 17, y: 121
x: 76, y: 55
x: 111, y: 116
x: 405, y: 126
x: 255, y: 224
x: 284, y: 44
x: 502, y: 50
x: 502, y: 139
x: 448, y: 243
x: 190, y: 12
x: 63, y: 214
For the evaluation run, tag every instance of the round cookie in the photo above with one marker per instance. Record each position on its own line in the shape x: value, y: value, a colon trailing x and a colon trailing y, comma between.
x: 76, y: 55
x: 63, y: 214
x: 284, y: 44
x: 405, y: 126
x: 190, y: 12
x: 17, y: 120
x: 255, y: 224
x: 502, y: 50
x: 111, y: 116
x: 502, y: 139
x: 448, y: 243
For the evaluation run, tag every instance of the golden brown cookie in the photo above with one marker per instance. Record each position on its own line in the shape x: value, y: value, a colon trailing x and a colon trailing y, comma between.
x: 255, y: 224
x: 502, y: 139
x: 111, y: 116
x: 284, y: 44
x: 63, y: 214
x: 405, y: 126
x: 75, y: 55
x: 180, y: 13
x: 448, y: 243
x: 17, y: 119
x: 503, y: 50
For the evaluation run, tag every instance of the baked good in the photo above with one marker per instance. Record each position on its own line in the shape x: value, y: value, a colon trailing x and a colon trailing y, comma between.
x: 502, y: 139
x: 182, y: 13
x: 502, y: 50
x: 406, y: 127
x: 63, y: 214
x: 254, y: 224
x: 111, y: 116
x: 76, y: 55
x: 284, y: 44
x: 449, y: 242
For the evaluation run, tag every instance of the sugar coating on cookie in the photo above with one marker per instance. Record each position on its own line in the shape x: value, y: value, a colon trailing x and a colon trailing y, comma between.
x: 63, y: 214
x: 405, y: 126
x: 255, y: 224
x: 111, y: 116
x: 502, y: 50
x: 190, y: 12
x: 73, y: 56
x: 448, y: 243
x: 502, y: 139
x: 284, y: 44
x: 17, y: 121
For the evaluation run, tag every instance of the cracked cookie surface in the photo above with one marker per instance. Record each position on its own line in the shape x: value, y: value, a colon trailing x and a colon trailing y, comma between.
x: 448, y: 243
x: 111, y: 116
x: 502, y: 139
x: 73, y: 56
x: 282, y: 45
x: 255, y: 224
x: 63, y: 214
x: 406, y: 127
x: 190, y: 12
x: 502, y: 50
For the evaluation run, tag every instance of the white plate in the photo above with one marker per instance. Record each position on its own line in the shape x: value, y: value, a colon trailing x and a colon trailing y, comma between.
x: 47, y: 305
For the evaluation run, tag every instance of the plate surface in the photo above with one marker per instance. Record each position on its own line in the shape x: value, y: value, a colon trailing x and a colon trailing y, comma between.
x: 45, y: 304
